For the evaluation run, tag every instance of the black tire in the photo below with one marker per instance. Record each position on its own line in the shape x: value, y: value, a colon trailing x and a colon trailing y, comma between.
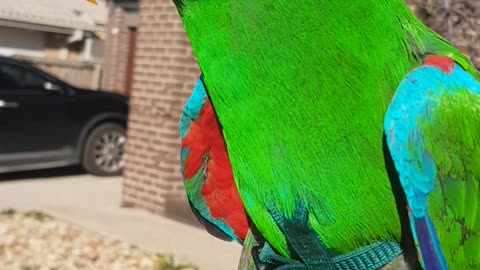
x: 103, y: 153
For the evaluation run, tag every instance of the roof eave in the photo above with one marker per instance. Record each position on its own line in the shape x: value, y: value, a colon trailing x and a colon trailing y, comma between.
x: 49, y: 27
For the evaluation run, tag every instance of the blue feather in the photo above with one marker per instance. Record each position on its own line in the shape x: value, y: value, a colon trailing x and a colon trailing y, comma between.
x: 432, y: 256
x: 192, y: 108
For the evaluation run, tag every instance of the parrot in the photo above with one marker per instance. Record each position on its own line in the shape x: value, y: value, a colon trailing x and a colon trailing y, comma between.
x: 333, y: 134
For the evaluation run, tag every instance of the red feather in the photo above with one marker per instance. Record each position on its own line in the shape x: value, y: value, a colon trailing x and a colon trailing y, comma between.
x: 205, y: 139
x: 444, y: 63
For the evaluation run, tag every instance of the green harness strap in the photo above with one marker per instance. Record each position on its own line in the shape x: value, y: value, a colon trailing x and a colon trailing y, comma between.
x: 310, y: 252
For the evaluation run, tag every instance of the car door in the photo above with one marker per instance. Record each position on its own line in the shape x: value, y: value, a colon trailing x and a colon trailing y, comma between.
x: 32, y: 118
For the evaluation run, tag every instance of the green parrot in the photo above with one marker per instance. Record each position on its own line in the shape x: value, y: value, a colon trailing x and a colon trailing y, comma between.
x: 333, y: 134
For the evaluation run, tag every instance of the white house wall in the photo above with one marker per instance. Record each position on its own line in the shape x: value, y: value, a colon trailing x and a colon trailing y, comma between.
x: 16, y: 41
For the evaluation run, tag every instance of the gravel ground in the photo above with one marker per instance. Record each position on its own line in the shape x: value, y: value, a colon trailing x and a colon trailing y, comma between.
x: 35, y: 241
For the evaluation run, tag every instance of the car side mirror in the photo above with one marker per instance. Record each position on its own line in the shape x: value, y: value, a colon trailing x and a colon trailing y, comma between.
x: 51, y: 86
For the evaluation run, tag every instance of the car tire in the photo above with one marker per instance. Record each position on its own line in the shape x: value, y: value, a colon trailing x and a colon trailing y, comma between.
x: 103, y: 154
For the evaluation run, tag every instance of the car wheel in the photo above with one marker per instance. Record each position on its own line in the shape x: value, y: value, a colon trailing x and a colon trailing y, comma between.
x: 104, y: 150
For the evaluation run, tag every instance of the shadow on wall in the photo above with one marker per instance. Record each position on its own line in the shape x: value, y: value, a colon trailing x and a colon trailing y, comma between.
x: 177, y: 208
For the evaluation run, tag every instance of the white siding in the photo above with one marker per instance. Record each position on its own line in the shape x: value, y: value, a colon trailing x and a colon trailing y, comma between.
x: 16, y: 41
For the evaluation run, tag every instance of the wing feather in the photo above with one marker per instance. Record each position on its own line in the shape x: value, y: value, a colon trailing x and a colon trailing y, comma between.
x: 207, y: 172
x: 433, y: 133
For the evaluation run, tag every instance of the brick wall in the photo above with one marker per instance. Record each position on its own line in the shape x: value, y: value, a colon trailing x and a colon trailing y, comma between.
x: 116, y: 51
x: 165, y: 73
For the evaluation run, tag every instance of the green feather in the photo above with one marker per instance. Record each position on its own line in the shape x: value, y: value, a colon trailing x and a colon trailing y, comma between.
x: 454, y: 207
x: 246, y: 260
x: 300, y: 89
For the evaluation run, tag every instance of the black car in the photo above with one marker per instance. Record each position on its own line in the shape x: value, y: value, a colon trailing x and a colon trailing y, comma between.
x: 45, y: 123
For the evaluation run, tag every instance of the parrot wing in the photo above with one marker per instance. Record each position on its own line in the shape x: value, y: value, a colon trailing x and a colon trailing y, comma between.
x: 432, y: 129
x: 206, y: 170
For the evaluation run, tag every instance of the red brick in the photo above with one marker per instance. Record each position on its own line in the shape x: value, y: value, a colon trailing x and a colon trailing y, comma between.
x: 116, y: 52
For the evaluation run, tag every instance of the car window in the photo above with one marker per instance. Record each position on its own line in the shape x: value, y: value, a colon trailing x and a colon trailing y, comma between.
x: 13, y: 77
x: 7, y: 82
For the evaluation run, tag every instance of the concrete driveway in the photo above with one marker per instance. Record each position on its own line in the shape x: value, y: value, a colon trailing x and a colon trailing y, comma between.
x: 94, y: 203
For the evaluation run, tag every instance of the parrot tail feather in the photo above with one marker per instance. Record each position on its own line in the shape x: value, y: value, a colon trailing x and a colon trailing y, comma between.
x: 426, y: 240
